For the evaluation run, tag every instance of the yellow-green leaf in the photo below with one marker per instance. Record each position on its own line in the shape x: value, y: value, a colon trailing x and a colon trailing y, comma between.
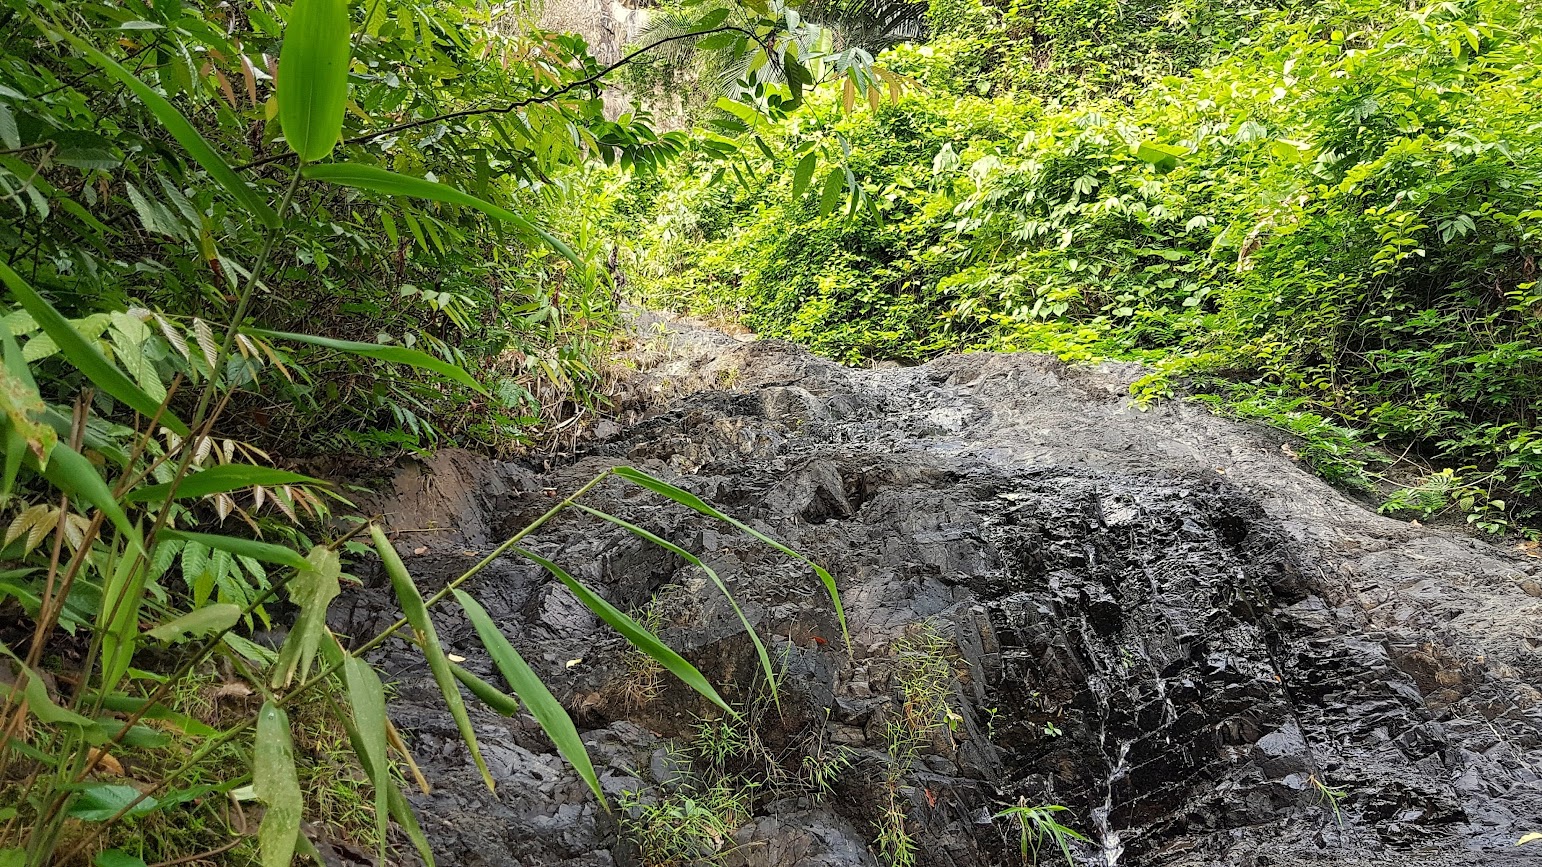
x: 312, y: 591
x: 393, y: 354
x: 275, y: 781
x: 313, y: 77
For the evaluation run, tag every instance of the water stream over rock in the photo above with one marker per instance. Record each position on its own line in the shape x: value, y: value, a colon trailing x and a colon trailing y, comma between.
x: 1157, y: 619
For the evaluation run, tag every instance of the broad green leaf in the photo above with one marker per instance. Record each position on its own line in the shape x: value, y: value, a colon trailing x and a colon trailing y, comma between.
x: 313, y: 77
x: 716, y: 41
x: 428, y: 639
x: 198, y: 622
x: 84, y: 356
x: 760, y: 647
x: 393, y: 354
x: 366, y: 696
x: 712, y: 19
x: 311, y: 591
x: 389, y: 183
x: 830, y: 196
x: 70, y: 472
x: 98, y: 802
x: 803, y: 174
x: 185, y: 134
x: 218, y: 480
x: 527, y: 685
x: 691, y: 501
x: 263, y: 551
x: 276, y: 782
x: 632, y: 631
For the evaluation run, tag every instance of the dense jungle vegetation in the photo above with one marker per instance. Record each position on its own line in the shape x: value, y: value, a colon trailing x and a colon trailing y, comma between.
x: 238, y: 234
x: 1322, y: 215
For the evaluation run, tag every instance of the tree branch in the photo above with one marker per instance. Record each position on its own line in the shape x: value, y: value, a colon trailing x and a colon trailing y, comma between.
x: 515, y: 106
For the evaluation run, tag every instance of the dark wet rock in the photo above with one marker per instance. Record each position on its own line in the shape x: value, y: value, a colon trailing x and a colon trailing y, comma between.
x: 1156, y: 619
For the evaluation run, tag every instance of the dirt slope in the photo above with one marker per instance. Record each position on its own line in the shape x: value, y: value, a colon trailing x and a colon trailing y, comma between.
x: 1157, y: 619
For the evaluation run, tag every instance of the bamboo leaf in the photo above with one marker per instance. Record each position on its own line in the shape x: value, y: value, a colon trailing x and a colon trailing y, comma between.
x: 220, y: 479
x: 312, y: 591
x: 199, y: 621
x: 276, y: 782
x: 393, y: 354
x: 366, y: 696
x: 632, y: 631
x: 428, y: 639
x: 70, y: 472
x: 527, y: 685
x: 390, y: 183
x: 691, y: 501
x: 313, y: 77
x: 185, y: 134
x: 760, y: 647
x: 263, y: 551
x: 85, y: 356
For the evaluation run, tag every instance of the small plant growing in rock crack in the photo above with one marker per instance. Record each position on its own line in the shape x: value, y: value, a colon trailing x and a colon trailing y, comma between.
x: 1329, y: 795
x: 692, y: 824
x: 1037, y: 824
x: 925, y: 676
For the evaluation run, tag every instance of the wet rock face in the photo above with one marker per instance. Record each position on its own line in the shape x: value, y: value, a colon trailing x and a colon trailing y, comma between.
x: 1156, y: 620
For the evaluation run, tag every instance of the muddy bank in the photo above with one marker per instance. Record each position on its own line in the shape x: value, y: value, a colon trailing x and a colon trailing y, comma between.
x: 1156, y: 619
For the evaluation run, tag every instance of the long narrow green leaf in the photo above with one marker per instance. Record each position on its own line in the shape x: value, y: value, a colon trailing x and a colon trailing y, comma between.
x: 632, y: 631
x: 527, y: 685
x: 70, y: 472
x: 393, y: 354
x: 85, y: 356
x: 118, y: 617
x: 264, y: 551
x: 276, y: 782
x: 390, y: 183
x: 220, y: 479
x: 691, y: 501
x: 760, y: 647
x: 313, y: 77
x: 428, y: 639
x: 120, y: 703
x: 366, y: 696
x: 185, y: 134
x: 379, y: 773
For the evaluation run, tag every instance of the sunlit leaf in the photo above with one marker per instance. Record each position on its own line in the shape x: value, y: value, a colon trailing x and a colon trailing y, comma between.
x: 313, y: 77
x: 527, y: 685
x: 390, y: 183
x: 393, y: 354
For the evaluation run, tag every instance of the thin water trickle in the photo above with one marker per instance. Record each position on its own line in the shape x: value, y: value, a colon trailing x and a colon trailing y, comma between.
x: 1108, y: 838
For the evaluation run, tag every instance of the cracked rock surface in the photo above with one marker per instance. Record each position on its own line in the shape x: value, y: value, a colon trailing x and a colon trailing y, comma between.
x: 1156, y: 619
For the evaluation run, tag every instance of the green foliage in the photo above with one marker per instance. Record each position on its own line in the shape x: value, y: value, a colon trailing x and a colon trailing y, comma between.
x: 1325, y: 215
x: 1035, y: 825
